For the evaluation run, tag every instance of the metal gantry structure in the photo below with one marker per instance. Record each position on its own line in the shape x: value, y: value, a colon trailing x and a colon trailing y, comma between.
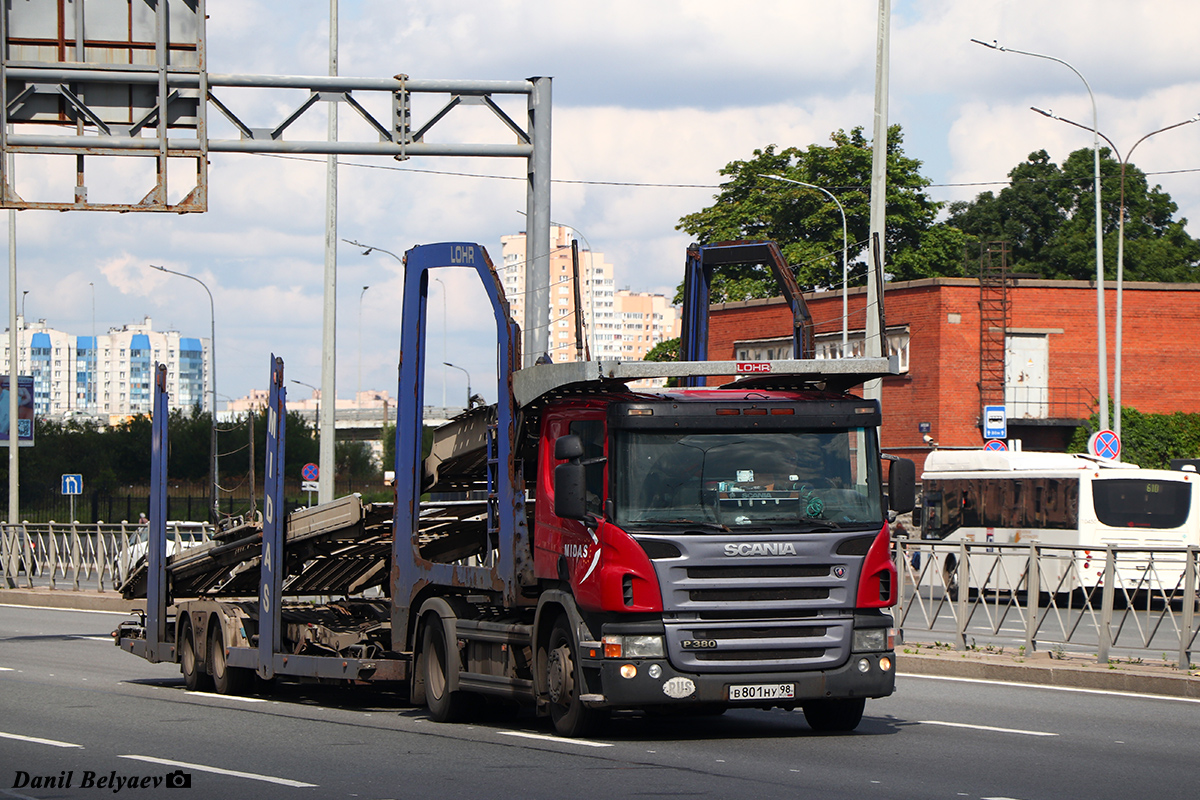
x: 113, y: 78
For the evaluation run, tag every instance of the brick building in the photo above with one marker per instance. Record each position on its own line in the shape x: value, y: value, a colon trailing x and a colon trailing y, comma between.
x: 959, y: 351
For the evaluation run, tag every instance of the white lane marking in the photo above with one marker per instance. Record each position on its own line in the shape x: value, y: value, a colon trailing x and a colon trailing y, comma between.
x: 985, y: 728
x: 76, y: 610
x: 35, y: 740
x: 559, y: 739
x: 1106, y: 692
x: 218, y: 771
x: 105, y: 639
x: 7, y: 669
x: 226, y: 697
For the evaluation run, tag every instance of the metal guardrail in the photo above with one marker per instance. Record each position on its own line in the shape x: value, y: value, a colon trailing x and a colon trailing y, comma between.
x: 1105, y: 599
x: 76, y: 555
x: 1135, y: 600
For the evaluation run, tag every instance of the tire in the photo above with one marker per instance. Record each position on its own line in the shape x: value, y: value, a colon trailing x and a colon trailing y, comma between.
x: 834, y: 716
x: 564, y: 679
x: 226, y: 679
x: 443, y: 705
x: 195, y: 677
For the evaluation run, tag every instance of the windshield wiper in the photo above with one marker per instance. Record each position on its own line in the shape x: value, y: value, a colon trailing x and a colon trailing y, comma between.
x: 715, y: 526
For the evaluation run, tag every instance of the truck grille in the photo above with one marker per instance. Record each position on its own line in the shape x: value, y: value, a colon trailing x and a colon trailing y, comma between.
x: 759, y: 613
x: 778, y: 645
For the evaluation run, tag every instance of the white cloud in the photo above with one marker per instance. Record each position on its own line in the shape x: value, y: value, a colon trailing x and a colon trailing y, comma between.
x: 662, y: 93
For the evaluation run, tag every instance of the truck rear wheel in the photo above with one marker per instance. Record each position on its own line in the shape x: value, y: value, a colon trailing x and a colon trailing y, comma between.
x: 195, y: 678
x: 834, y: 716
x: 226, y: 679
x: 444, y: 705
x: 564, y: 681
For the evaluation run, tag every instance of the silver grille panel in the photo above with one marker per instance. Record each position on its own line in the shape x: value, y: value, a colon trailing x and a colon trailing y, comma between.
x: 761, y: 612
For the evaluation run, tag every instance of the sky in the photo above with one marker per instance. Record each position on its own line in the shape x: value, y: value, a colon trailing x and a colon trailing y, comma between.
x: 650, y: 100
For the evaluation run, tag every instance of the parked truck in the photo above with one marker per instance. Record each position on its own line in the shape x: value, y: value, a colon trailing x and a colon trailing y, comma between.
x: 612, y: 548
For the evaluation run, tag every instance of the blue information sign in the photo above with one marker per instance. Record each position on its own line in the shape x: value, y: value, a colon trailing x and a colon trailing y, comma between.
x: 995, y: 422
x: 72, y: 484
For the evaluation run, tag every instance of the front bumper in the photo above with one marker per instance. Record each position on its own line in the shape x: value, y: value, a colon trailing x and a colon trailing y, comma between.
x: 607, y: 687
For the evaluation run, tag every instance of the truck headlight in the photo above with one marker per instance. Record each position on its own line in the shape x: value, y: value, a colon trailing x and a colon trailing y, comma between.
x: 625, y: 646
x: 867, y: 639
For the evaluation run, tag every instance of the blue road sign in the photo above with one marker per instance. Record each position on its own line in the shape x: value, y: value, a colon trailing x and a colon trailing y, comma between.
x: 995, y: 444
x: 1105, y: 444
x: 310, y: 472
x: 72, y: 484
x: 995, y: 422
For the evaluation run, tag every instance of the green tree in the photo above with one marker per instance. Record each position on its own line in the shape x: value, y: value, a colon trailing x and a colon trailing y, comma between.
x: 807, y: 225
x: 1149, y: 440
x: 1047, y: 216
x: 354, y: 460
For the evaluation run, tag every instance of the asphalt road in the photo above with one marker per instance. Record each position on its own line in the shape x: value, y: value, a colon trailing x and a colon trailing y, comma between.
x: 74, y: 708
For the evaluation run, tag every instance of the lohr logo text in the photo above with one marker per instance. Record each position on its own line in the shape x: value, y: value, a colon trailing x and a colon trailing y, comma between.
x: 111, y: 782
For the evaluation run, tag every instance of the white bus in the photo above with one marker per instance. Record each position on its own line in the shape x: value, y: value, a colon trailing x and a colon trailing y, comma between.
x: 1058, y: 499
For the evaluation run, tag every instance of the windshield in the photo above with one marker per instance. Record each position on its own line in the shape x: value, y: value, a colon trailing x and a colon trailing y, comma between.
x: 798, y: 480
x: 1140, y: 503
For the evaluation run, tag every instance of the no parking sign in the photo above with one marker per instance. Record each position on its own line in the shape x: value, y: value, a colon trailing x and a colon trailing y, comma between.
x: 1105, y: 444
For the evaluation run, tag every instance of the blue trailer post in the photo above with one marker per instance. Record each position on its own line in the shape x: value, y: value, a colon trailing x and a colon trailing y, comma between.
x: 410, y: 572
x: 271, y: 579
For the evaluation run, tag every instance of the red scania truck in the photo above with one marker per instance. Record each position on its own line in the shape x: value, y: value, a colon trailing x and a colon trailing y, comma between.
x: 687, y: 549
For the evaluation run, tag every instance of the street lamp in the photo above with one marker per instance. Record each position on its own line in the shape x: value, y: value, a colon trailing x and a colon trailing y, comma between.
x: 444, y: 335
x: 1120, y: 247
x: 90, y: 395
x: 316, y: 399
x: 212, y: 358
x: 845, y: 262
x: 1101, y: 334
x: 358, y: 394
x: 25, y: 292
x: 448, y: 364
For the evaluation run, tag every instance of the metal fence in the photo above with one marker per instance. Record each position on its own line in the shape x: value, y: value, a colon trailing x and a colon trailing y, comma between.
x: 1108, y: 600
x: 78, y: 556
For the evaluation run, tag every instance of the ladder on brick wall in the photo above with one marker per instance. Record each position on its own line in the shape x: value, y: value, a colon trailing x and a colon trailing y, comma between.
x: 993, y: 322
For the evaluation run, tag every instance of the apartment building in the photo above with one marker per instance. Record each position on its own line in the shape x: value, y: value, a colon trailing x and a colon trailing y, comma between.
x: 110, y: 375
x: 616, y: 324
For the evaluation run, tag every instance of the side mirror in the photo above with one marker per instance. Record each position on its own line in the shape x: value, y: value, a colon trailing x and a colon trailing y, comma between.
x: 902, y: 485
x: 570, y: 492
x: 568, y: 447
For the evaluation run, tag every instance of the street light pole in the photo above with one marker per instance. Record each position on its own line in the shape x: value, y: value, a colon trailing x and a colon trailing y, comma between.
x: 212, y: 380
x: 358, y: 394
x: 448, y: 364
x: 444, y: 335
x: 1120, y: 248
x: 316, y: 401
x: 845, y: 250
x: 1101, y: 332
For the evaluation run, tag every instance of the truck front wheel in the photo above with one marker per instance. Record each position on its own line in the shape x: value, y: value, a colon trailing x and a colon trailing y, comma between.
x: 834, y: 716
x: 564, y: 683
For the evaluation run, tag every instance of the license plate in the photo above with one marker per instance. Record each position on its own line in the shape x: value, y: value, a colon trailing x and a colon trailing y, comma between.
x: 763, y: 691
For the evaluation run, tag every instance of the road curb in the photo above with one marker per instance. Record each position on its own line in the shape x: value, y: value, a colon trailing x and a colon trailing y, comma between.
x: 69, y: 599
x: 1043, y: 670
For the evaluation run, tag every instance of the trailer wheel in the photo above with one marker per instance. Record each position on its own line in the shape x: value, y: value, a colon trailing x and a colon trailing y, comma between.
x: 834, y: 716
x: 226, y: 679
x: 444, y: 705
x: 564, y: 682
x: 195, y: 678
